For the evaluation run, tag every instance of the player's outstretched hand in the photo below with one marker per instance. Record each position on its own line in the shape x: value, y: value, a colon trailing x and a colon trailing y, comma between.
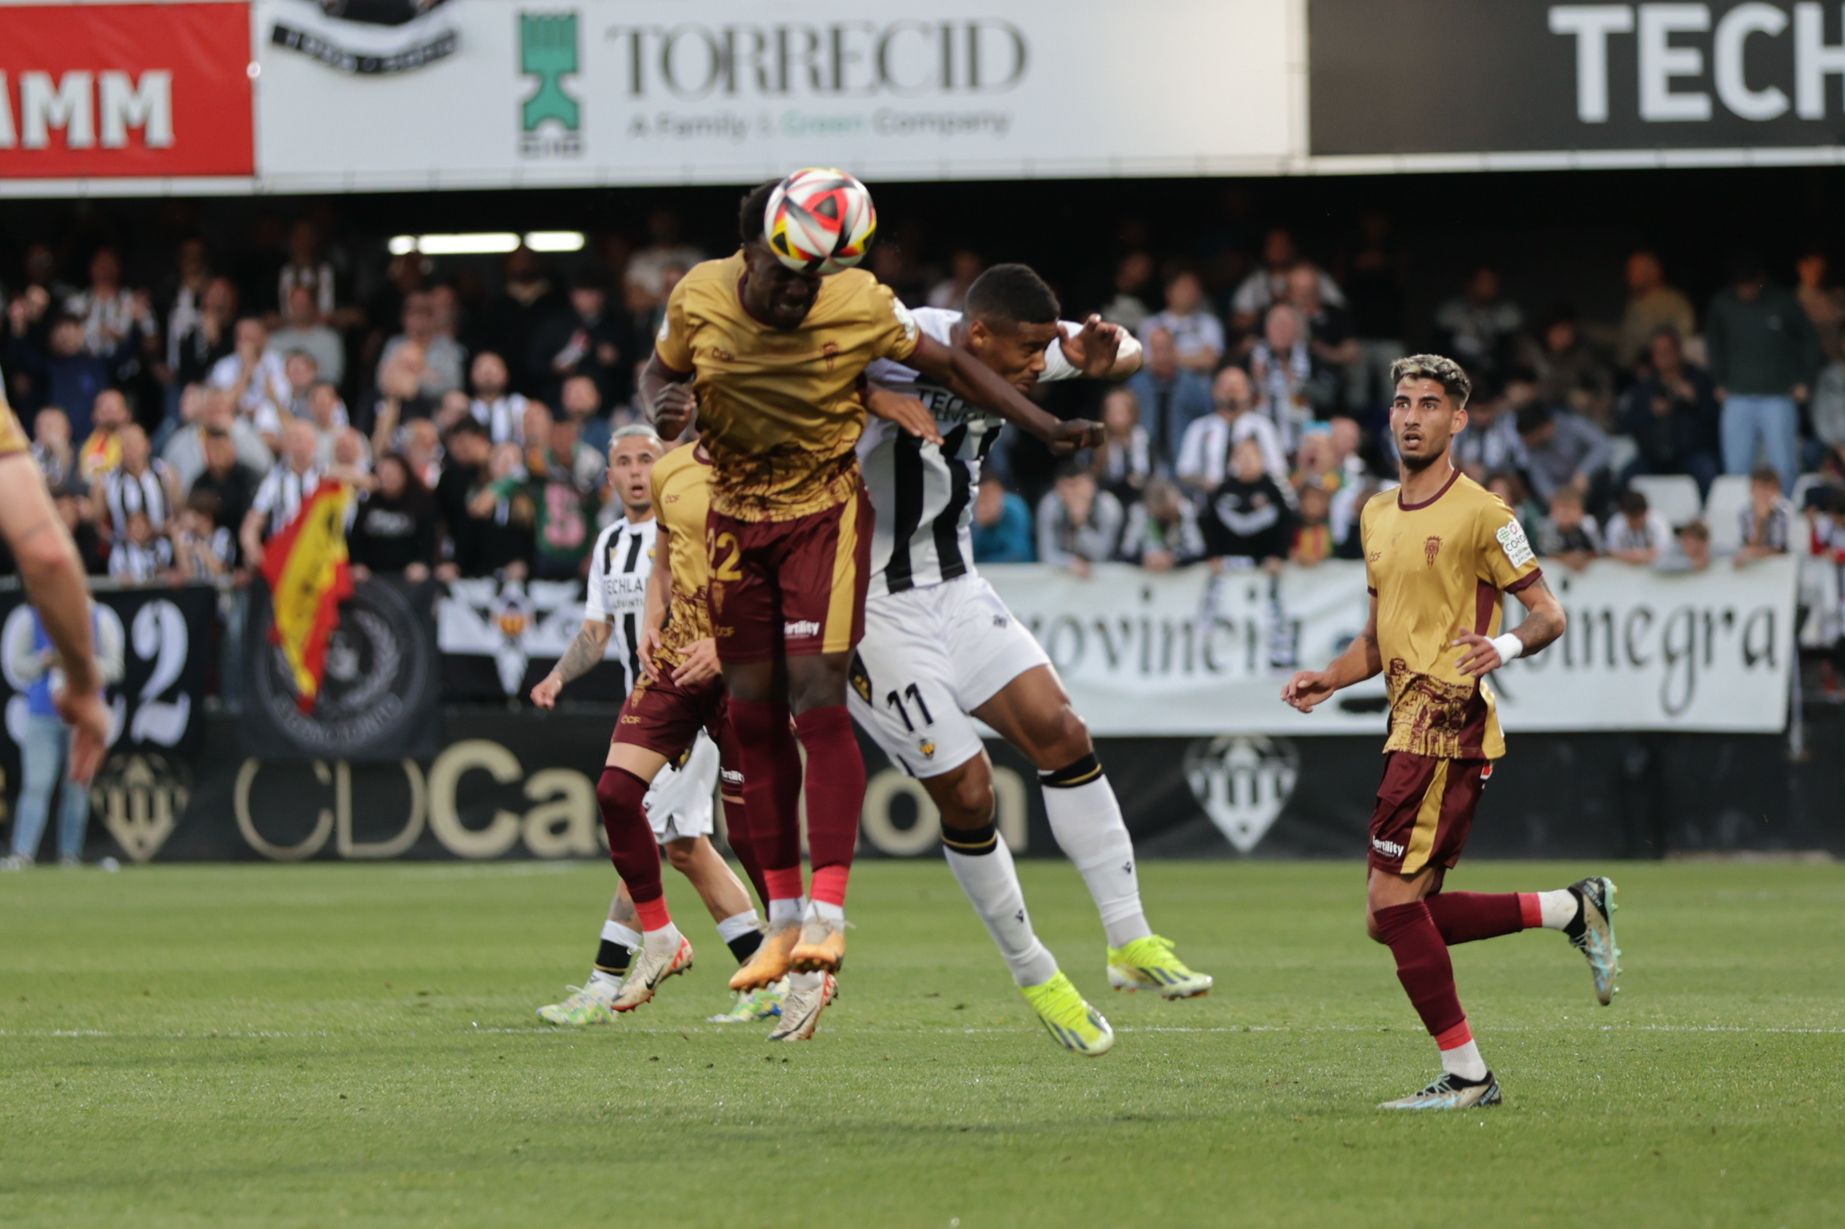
x: 1481, y: 658
x: 673, y: 409
x: 906, y: 412
x: 1093, y: 350
x: 1306, y: 689
x: 1073, y: 436
x: 88, y: 720
x: 701, y: 663
x: 544, y: 694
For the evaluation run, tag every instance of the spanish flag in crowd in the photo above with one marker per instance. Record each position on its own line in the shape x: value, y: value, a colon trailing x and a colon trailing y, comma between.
x: 309, y: 577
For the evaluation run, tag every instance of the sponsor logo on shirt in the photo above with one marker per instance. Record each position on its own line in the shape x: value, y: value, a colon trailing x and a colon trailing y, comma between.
x: 800, y: 629
x: 1512, y: 540
x: 1390, y: 849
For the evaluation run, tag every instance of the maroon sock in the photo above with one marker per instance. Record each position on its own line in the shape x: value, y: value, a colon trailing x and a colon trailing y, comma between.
x: 771, y: 781
x: 1422, y: 964
x: 737, y: 829
x: 835, y: 796
x: 632, y: 846
x: 1463, y: 917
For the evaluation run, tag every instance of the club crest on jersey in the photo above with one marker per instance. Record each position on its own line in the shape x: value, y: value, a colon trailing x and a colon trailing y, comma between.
x: 860, y: 679
x: 927, y: 747
x: 1431, y: 546
x: 830, y: 353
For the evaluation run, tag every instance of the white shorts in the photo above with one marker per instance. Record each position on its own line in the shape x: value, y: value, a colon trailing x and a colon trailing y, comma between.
x: 679, y: 803
x: 931, y: 656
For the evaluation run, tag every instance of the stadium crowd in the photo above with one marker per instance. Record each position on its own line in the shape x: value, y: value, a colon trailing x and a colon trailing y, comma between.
x: 181, y: 420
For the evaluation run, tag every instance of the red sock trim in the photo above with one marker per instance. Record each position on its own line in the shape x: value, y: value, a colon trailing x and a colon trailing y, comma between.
x: 830, y: 884
x: 1454, y: 1038
x: 1530, y: 910
x: 783, y: 884
x: 654, y: 914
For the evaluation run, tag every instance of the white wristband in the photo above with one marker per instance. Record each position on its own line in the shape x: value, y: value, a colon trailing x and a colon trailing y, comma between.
x: 1510, y: 647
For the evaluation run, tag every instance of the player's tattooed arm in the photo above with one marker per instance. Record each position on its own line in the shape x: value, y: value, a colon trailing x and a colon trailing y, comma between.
x: 1544, y: 617
x: 1544, y: 622
x: 579, y: 659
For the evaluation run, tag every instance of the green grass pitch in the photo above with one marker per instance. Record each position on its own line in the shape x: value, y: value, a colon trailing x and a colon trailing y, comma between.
x: 355, y: 1045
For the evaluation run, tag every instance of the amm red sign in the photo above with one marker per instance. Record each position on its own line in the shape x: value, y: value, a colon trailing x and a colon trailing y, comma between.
x: 114, y: 90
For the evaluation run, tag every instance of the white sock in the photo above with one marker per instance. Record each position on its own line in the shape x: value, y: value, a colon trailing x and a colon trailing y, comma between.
x: 991, y: 882
x: 738, y: 924
x: 786, y: 911
x: 1086, y: 820
x: 615, y: 932
x: 621, y: 936
x: 666, y: 938
x: 1464, y: 1061
x: 820, y: 909
x: 1559, y: 908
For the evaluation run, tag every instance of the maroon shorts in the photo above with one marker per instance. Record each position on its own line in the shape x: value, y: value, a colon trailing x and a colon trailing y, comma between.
x: 665, y: 718
x: 1424, y: 811
x: 788, y: 588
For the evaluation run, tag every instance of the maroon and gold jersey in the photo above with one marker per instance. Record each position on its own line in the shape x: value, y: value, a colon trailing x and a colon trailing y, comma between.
x: 1438, y: 568
x: 779, y: 409
x: 681, y: 499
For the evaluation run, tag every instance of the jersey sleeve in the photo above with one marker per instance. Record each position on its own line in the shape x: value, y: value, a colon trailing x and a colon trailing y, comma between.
x: 894, y: 331
x: 1507, y: 561
x: 593, y: 607
x: 673, y: 343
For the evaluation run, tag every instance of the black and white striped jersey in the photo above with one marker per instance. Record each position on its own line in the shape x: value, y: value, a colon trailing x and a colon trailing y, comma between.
x: 923, y: 494
x: 618, y: 572
x: 125, y: 494
x: 504, y: 417
x: 281, y: 493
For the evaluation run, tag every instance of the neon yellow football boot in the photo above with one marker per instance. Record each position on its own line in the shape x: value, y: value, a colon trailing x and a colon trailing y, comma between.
x: 1149, y: 964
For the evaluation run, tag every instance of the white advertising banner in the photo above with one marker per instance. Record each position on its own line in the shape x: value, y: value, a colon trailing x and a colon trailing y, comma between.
x: 496, y: 93
x: 1188, y: 654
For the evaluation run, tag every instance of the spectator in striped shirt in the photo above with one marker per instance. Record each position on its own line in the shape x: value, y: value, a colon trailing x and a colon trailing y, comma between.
x: 1635, y: 533
x: 139, y: 486
x: 494, y: 406
x: 1767, y: 520
x: 143, y: 555
x: 289, y: 483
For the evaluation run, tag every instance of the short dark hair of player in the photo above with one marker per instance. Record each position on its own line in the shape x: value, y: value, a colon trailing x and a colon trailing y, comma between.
x: 752, y: 210
x: 1633, y: 502
x: 1439, y: 368
x: 1011, y: 294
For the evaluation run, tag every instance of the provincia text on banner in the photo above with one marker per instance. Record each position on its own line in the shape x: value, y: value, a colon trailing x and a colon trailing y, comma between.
x: 496, y: 92
x: 1191, y: 653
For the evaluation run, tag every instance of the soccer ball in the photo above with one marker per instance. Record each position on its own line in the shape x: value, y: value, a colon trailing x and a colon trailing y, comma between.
x: 820, y: 220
